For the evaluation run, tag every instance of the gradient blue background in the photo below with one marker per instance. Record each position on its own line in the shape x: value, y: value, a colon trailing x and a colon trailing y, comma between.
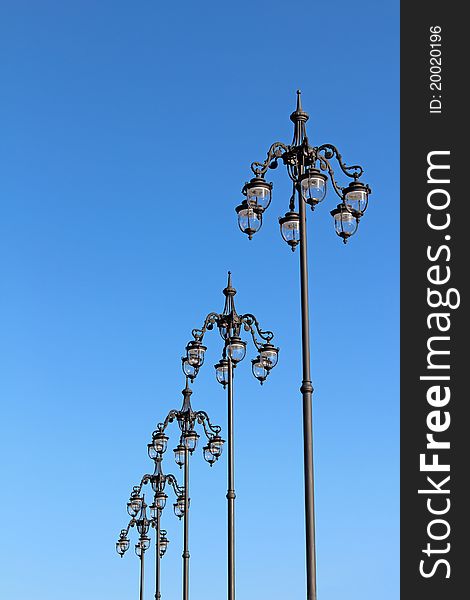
x: 127, y: 130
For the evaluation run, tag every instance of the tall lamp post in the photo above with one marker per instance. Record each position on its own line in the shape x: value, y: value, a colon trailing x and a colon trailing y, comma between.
x: 230, y: 323
x: 187, y: 419
x: 137, y: 506
x: 309, y: 168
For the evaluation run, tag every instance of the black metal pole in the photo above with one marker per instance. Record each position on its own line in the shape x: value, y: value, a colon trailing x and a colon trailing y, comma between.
x: 186, y: 527
x: 307, y: 391
x: 157, y: 558
x: 230, y: 489
x: 142, y: 553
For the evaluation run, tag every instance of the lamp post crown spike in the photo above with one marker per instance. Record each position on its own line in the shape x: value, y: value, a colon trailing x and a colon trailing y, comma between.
x: 299, y: 115
x: 229, y: 290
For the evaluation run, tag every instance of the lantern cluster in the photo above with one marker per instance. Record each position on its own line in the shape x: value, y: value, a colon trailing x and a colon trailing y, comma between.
x: 260, y: 366
x: 312, y: 187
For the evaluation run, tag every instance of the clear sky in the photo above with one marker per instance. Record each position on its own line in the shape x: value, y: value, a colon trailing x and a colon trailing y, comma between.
x: 127, y: 130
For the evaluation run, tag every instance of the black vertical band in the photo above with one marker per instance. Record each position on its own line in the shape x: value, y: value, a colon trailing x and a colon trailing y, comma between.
x: 435, y: 227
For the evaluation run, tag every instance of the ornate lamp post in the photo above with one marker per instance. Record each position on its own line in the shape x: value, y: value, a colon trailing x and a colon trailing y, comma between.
x: 230, y: 324
x: 137, y: 505
x: 187, y: 419
x: 309, y: 168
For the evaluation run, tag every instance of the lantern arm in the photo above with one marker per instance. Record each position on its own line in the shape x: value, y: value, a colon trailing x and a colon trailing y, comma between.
x: 172, y: 415
x: 172, y: 481
x: 250, y: 323
x: 138, y: 488
x: 325, y: 165
x: 276, y: 150
x: 211, y: 319
x: 330, y: 151
x: 125, y: 532
x: 209, y: 429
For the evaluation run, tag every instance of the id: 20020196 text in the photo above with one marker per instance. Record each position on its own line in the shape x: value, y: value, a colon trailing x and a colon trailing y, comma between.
x: 435, y: 69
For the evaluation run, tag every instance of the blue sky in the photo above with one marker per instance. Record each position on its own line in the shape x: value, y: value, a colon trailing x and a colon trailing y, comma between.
x: 127, y: 131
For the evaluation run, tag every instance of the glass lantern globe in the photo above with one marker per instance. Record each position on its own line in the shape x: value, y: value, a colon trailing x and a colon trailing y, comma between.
x: 216, y: 445
x: 138, y: 549
x: 164, y: 541
x: 195, y: 353
x: 258, y: 193
x: 178, y: 507
x: 313, y: 187
x: 151, y: 451
x: 223, y: 329
x: 208, y: 455
x: 160, y: 441
x: 160, y: 500
x: 356, y: 198
x: 134, y: 505
x: 153, y: 510
x: 221, y: 371
x: 188, y: 369
x: 180, y: 453
x: 345, y: 222
x: 250, y: 218
x: 144, y: 543
x: 259, y: 369
x: 190, y: 440
x: 269, y: 354
x: 122, y: 546
x: 236, y: 349
x: 290, y: 228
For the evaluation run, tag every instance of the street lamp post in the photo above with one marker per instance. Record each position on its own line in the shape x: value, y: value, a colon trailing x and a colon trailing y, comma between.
x: 309, y: 168
x: 187, y: 419
x: 143, y: 544
x: 137, y: 505
x: 230, y: 323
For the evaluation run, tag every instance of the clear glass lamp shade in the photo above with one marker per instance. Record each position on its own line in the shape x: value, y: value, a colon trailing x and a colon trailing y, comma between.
x: 151, y: 451
x: 180, y: 454
x: 160, y: 500
x: 258, y: 193
x: 138, y: 549
x: 188, y: 369
x: 269, y: 355
x: 178, y: 507
x: 122, y: 546
x: 163, y: 545
x: 190, y: 440
x: 249, y: 219
x: 313, y: 187
x: 236, y: 349
x: 160, y: 441
x: 290, y: 229
x: 208, y: 455
x: 145, y: 543
x: 259, y: 369
x: 345, y: 222
x: 356, y: 198
x: 221, y: 372
x: 216, y: 445
x: 195, y: 354
x: 134, y: 505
